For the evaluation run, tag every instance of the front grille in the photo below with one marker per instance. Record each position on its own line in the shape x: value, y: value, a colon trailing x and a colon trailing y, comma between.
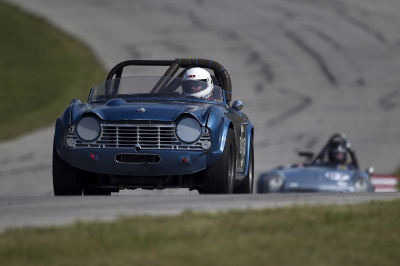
x: 149, y: 136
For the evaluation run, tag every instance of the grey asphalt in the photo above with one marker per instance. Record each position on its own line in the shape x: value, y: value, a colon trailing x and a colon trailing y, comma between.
x: 304, y: 70
x: 49, y: 211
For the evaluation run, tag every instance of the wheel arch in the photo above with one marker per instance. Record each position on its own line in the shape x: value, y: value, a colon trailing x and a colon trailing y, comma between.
x: 61, y: 126
x: 249, y: 136
x: 219, y: 131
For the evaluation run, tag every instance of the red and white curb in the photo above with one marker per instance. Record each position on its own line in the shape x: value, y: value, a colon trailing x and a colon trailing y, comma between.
x: 385, y: 183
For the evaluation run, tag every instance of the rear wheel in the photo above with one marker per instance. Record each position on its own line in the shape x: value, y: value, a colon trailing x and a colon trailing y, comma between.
x: 65, y: 178
x: 219, y: 178
x: 247, y: 184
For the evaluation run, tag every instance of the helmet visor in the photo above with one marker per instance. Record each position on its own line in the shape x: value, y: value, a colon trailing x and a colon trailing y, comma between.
x: 339, y: 156
x: 193, y: 86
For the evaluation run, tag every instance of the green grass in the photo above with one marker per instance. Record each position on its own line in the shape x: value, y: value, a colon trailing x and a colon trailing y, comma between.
x: 41, y: 71
x: 363, y: 234
x: 398, y: 174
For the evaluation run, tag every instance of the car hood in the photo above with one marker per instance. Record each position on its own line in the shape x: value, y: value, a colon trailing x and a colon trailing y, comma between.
x: 118, y: 109
x: 317, y: 178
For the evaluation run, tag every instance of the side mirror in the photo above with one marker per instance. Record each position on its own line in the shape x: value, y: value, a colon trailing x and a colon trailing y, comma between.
x: 370, y: 170
x: 237, y: 105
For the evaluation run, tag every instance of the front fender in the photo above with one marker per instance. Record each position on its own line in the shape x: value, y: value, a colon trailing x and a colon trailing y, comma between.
x: 249, y: 135
x: 218, y: 126
x: 59, y: 135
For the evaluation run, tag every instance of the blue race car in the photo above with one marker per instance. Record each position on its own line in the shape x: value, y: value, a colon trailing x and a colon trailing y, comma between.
x: 329, y: 171
x: 155, y: 133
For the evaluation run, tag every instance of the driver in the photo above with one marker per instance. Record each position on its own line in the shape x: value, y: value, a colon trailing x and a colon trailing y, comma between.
x: 337, y: 153
x: 197, y: 82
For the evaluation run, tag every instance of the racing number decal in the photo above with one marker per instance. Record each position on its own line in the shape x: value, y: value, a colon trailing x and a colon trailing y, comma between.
x: 337, y: 176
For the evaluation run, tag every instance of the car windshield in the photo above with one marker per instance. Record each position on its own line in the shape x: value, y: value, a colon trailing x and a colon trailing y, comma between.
x: 153, y: 88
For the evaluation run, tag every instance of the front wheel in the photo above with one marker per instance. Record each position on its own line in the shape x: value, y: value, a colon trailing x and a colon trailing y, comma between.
x: 92, y: 178
x: 219, y: 178
x: 66, y: 181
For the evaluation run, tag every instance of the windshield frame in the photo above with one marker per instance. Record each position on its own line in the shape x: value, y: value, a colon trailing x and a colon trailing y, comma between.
x: 162, y: 82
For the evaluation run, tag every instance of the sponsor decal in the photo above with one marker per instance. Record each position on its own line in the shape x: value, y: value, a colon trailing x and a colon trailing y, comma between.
x: 337, y: 176
x: 191, y: 76
x: 208, y: 95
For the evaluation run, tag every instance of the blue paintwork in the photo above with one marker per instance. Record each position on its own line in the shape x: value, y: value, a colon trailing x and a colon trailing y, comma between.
x: 155, y: 111
x: 129, y: 109
x: 104, y: 162
x: 313, y: 178
x: 317, y: 176
x: 249, y: 135
x: 217, y: 117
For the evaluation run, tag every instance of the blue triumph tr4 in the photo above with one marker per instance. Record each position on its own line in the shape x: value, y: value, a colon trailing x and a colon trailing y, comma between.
x: 178, y: 130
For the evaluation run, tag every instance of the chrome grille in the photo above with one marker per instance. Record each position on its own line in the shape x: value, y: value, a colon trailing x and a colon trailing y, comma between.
x: 149, y: 136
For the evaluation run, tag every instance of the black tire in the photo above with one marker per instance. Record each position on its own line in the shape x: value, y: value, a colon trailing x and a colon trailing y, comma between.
x: 66, y: 181
x: 92, y: 178
x: 219, y: 178
x: 247, y: 185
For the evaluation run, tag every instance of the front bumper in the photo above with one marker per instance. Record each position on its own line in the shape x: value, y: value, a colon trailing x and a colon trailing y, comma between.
x: 318, y: 189
x: 103, y: 161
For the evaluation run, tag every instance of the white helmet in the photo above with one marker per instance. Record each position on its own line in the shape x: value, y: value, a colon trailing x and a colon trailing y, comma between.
x: 197, y: 82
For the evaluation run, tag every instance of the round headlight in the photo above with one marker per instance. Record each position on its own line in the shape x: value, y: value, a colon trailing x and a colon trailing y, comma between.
x: 361, y: 185
x: 275, y: 182
x: 188, y: 130
x: 88, y: 129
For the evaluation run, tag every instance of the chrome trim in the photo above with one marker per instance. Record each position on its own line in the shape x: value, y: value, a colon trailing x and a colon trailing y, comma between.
x: 90, y: 94
x: 176, y: 135
x: 147, y: 136
x: 88, y: 142
x: 237, y: 106
x: 74, y: 101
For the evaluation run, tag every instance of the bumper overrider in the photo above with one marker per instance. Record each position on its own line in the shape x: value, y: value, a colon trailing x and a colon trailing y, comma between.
x: 138, y: 150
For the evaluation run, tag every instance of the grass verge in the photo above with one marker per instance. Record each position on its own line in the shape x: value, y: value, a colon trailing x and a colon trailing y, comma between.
x: 398, y: 174
x: 364, y: 234
x: 41, y: 71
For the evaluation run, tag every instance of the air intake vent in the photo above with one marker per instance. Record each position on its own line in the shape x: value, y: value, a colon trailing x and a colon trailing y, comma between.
x: 138, y: 158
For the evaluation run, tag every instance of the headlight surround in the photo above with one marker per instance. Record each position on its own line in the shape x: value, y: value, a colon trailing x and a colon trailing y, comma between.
x: 361, y: 185
x: 88, y: 129
x: 275, y: 183
x: 188, y: 130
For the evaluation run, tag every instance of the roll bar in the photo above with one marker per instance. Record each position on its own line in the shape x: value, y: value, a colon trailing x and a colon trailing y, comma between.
x: 174, y: 65
x: 344, y: 140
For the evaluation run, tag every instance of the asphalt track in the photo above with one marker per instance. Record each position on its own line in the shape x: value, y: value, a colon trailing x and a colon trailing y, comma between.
x: 304, y: 69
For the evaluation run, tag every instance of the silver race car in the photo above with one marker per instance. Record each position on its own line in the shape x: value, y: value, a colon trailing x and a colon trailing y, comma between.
x: 334, y: 169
